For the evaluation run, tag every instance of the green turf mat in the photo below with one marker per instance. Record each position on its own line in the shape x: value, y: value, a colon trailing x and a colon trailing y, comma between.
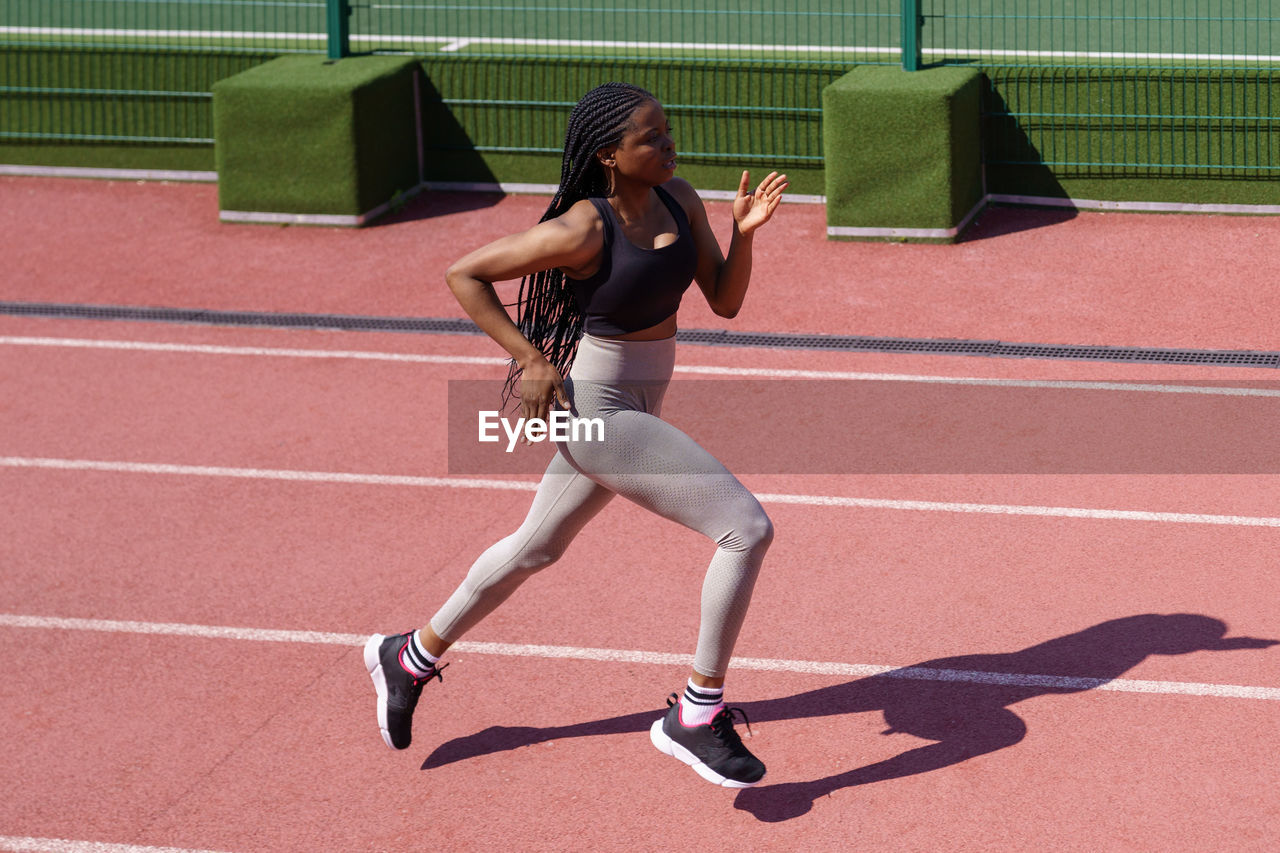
x: 903, y: 152
x: 306, y: 135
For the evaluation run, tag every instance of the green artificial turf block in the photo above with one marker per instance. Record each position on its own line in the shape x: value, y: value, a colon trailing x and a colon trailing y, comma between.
x: 903, y: 154
x: 306, y: 136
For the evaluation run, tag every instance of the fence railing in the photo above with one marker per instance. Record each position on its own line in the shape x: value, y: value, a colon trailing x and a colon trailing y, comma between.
x: 769, y: 32
x: 1107, y: 88
x: 204, y: 26
x: 1153, y: 34
x: 1077, y: 86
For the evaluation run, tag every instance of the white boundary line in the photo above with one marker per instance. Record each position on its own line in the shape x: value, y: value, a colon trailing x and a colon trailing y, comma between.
x: 692, y: 369
x: 505, y: 187
x: 1134, y: 206
x: 110, y: 174
x: 356, y: 220
x: 351, y: 220
x: 1100, y: 54
x: 833, y: 501
x: 518, y: 188
x: 257, y: 217
x: 454, y: 43
x: 449, y: 43
x: 890, y: 233
x: 20, y: 844
x: 271, y: 352
x: 909, y: 233
x: 912, y: 673
x: 118, y: 32
x: 550, y: 189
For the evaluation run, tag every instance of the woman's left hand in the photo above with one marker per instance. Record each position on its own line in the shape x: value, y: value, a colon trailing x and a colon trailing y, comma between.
x: 753, y: 209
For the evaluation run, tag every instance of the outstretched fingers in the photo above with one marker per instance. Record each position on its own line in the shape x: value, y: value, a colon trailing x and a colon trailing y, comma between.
x: 753, y: 209
x: 772, y: 187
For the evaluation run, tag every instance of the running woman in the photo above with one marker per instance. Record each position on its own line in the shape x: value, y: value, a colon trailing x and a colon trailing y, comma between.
x: 602, y: 275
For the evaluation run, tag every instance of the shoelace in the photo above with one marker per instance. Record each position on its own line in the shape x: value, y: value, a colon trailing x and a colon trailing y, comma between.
x: 722, y: 725
x: 435, y: 673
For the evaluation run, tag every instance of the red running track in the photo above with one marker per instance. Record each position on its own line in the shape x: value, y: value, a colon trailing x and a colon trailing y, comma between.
x: 240, y: 742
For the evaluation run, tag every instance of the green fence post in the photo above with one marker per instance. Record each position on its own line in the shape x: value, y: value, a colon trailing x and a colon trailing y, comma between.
x: 338, y: 19
x: 912, y: 23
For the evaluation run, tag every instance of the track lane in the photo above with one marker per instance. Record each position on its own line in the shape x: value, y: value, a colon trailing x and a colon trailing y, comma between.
x: 386, y: 417
x: 330, y: 788
x: 266, y: 555
x: 905, y: 588
x: 236, y: 525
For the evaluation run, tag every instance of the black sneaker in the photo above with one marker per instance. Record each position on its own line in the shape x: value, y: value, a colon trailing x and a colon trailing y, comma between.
x: 714, y: 751
x: 398, y: 689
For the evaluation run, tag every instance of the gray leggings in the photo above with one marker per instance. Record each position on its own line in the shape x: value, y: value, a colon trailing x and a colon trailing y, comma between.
x: 646, y: 460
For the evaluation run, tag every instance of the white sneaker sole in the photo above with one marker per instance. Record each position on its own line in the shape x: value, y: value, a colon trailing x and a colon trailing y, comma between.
x: 669, y: 747
x: 373, y: 663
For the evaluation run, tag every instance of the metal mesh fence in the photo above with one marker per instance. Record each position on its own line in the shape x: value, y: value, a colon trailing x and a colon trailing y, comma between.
x: 741, y: 80
x: 205, y: 26
x: 1205, y: 34
x: 122, y: 71
x: 745, y: 31
x: 1109, y: 88
x: 140, y: 71
x: 1079, y: 87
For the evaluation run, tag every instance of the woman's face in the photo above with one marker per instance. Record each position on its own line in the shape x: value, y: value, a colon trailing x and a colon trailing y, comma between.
x: 646, y: 151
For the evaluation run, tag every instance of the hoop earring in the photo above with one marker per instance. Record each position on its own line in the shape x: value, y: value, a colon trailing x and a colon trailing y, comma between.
x: 607, y: 171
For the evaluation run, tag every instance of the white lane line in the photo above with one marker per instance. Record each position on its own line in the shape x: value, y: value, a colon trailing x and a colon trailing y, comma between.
x: 1013, y: 509
x: 1077, y: 385
x: 273, y: 352
x: 21, y: 844
x: 690, y: 369
x: 912, y: 673
x: 529, y: 486
x: 266, y: 474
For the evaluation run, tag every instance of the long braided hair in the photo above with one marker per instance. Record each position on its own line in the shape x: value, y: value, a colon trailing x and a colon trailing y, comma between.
x: 547, y: 313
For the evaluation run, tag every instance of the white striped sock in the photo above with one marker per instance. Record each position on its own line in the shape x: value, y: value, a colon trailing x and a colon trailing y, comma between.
x: 416, y: 659
x: 699, y: 705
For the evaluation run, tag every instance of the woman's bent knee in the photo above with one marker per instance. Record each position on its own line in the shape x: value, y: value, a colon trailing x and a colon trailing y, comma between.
x: 759, y: 531
x: 753, y: 531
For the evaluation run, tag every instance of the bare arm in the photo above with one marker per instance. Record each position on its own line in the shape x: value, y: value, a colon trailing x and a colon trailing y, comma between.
x: 570, y: 242
x: 723, y: 280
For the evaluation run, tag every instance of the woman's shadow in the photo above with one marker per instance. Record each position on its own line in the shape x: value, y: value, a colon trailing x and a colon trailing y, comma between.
x: 959, y: 703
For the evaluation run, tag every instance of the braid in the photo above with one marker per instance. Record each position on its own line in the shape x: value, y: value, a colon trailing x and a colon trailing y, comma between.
x: 547, y: 313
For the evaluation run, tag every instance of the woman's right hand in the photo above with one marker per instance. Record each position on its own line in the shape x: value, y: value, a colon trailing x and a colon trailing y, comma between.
x: 541, y: 387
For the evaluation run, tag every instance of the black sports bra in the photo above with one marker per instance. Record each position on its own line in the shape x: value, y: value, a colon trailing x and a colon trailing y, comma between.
x: 636, y: 288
